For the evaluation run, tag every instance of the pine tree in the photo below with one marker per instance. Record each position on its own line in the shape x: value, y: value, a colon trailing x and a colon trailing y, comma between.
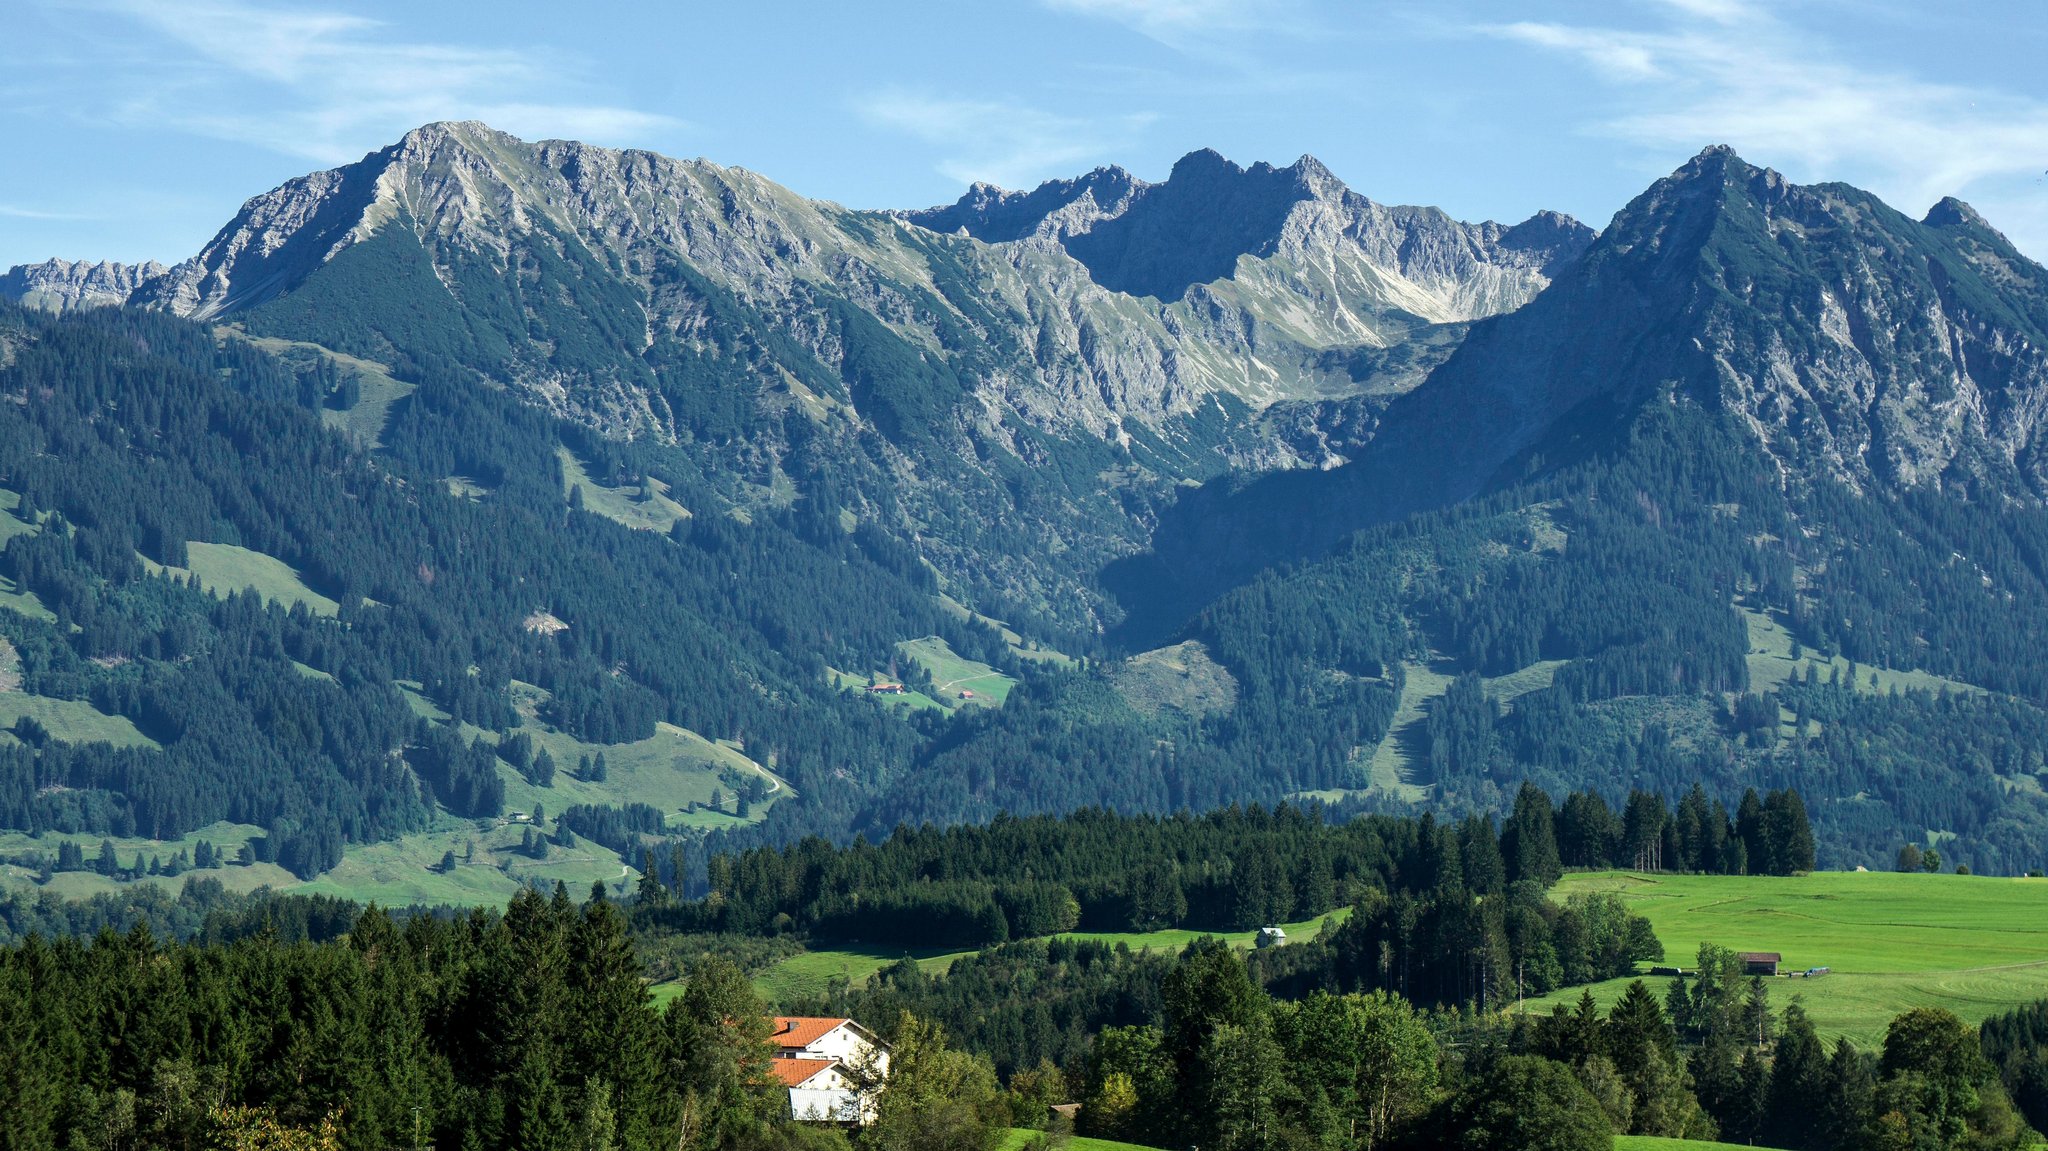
x: 652, y: 893
x: 1529, y: 839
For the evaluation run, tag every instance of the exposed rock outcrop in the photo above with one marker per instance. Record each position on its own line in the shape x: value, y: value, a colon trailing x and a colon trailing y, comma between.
x: 58, y: 285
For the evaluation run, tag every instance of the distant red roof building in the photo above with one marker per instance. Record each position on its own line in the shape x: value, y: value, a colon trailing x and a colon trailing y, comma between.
x: 829, y: 1063
x: 800, y: 1031
x: 797, y: 1072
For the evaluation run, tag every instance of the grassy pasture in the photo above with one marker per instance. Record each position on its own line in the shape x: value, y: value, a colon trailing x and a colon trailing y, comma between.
x: 225, y: 568
x: 1976, y: 945
x: 70, y: 721
x: 846, y: 681
x: 1018, y: 1138
x: 810, y: 974
x: 364, y: 422
x: 952, y: 673
x: 1660, y: 1143
x: 12, y: 524
x: 670, y: 769
x: 228, y: 837
x: 807, y: 975
x: 1771, y: 663
x: 404, y: 870
x: 1402, y: 757
x: 645, y: 506
x: 13, y: 598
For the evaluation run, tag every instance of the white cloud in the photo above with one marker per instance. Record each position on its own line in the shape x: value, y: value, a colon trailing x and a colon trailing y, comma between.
x: 1000, y: 143
x: 328, y: 86
x: 1723, y: 71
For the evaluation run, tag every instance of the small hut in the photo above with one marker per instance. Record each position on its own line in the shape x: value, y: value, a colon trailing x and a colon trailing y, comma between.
x: 1759, y: 962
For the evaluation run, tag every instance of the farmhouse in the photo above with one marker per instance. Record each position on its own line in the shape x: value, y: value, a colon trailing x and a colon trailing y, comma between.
x: 831, y: 1067
x: 1759, y: 962
x: 887, y: 689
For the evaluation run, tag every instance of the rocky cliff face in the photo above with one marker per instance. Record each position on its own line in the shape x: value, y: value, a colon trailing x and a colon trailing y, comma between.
x: 1228, y: 317
x: 1856, y: 345
x: 1309, y: 266
x: 1096, y: 327
x: 57, y: 285
x: 1297, y: 226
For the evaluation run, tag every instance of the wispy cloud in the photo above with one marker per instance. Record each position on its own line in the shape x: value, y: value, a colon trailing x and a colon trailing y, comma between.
x: 1000, y: 143
x: 1729, y: 71
x: 16, y: 212
x: 328, y: 85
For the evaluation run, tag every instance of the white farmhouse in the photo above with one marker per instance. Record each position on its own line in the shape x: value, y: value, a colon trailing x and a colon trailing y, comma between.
x: 831, y: 1067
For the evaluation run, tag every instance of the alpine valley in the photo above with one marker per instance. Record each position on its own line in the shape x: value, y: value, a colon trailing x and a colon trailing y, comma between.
x: 488, y: 512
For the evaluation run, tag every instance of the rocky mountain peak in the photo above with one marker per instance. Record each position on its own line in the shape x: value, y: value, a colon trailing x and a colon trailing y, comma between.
x: 59, y: 285
x: 994, y: 215
x: 1170, y: 239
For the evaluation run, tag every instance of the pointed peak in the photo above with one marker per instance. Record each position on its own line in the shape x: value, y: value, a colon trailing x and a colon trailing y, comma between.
x: 1714, y: 158
x: 1202, y: 162
x: 1953, y: 213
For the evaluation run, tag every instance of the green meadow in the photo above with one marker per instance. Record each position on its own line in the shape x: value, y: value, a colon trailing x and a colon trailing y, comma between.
x: 1660, y: 1143
x: 70, y: 721
x: 1018, y: 1138
x: 1976, y: 945
x: 644, y: 506
x: 952, y: 673
x: 809, y: 975
x: 225, y: 568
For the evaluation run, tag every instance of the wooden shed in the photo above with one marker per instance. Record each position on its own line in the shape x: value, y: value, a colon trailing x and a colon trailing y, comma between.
x: 1759, y: 962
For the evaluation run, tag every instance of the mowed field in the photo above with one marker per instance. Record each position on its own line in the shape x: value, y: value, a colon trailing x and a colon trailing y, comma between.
x: 809, y: 975
x: 1976, y: 945
x: 953, y: 673
x: 1018, y: 1138
x: 1660, y: 1143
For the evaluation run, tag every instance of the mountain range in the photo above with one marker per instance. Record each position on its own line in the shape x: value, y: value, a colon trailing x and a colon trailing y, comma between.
x: 1232, y: 487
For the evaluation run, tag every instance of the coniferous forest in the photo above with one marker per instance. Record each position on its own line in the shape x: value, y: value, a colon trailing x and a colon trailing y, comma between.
x: 948, y: 601
x: 135, y: 434
x: 295, y: 1021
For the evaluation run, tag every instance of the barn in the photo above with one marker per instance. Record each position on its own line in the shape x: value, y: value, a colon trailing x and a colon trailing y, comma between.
x: 1759, y: 962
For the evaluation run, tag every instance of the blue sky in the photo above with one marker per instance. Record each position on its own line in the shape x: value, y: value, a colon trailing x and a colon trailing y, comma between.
x: 134, y: 128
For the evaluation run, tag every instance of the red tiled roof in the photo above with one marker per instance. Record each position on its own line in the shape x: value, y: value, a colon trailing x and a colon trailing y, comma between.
x: 796, y: 1072
x: 801, y: 1030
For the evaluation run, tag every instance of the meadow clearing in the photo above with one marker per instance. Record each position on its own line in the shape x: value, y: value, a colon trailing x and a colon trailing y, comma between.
x: 1976, y: 945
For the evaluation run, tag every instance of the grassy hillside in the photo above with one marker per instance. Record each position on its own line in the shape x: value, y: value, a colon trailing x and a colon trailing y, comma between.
x: 226, y: 568
x: 1975, y: 945
x: 808, y: 975
x: 1659, y: 1143
x: 953, y: 674
x: 70, y: 721
x: 1018, y: 1138
x: 645, y: 506
x: 1771, y: 664
x: 365, y: 421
